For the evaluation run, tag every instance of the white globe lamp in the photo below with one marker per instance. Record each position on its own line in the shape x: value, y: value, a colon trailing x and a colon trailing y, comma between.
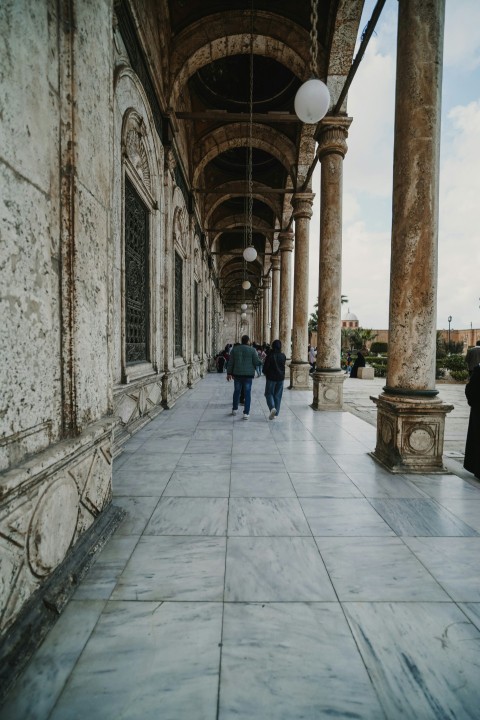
x: 312, y: 101
x: 246, y: 285
x: 250, y: 254
x: 244, y: 306
x: 243, y: 316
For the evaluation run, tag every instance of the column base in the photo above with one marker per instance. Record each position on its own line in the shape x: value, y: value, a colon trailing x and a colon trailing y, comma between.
x: 327, y: 391
x: 300, y: 376
x: 410, y: 433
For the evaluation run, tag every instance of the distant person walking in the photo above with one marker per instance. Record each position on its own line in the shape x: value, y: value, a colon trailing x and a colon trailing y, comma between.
x: 473, y: 357
x: 472, y: 448
x: 241, y: 366
x: 274, y: 371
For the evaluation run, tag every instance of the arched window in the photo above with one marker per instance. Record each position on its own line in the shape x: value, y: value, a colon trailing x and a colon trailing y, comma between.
x: 137, y: 281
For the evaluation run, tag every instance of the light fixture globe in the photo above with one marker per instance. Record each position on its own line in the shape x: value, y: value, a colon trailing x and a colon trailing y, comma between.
x: 246, y: 285
x: 244, y: 306
x: 243, y: 316
x: 250, y: 254
x: 312, y: 101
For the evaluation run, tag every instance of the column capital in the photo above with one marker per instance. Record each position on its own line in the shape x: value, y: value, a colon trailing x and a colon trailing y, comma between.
x: 275, y: 263
x: 332, y: 136
x: 286, y: 241
x: 302, y: 205
x: 267, y: 282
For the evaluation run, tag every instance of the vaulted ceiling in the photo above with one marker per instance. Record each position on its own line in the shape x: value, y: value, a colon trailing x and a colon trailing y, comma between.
x: 219, y: 52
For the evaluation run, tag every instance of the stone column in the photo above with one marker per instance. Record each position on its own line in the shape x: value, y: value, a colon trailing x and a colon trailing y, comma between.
x: 266, y: 305
x: 410, y: 418
x: 285, y: 315
x: 275, y: 329
x: 299, y: 367
x: 328, y: 377
x: 259, y: 333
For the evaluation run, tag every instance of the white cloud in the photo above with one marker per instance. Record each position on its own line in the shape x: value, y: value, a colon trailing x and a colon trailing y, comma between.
x: 462, y: 36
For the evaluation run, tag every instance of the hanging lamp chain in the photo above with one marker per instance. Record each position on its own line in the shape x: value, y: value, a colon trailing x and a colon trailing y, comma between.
x: 250, y: 136
x: 314, y: 39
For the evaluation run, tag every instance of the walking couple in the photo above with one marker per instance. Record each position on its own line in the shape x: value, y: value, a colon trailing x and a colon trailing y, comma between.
x: 241, y: 367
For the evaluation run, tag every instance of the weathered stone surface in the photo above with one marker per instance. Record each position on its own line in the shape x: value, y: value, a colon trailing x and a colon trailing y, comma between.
x: 302, y: 212
x: 410, y: 434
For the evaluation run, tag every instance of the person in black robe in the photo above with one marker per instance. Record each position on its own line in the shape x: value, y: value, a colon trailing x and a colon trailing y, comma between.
x: 359, y: 362
x: 472, y: 447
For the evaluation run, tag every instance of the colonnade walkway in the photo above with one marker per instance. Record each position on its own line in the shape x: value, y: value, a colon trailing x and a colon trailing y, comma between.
x: 269, y: 570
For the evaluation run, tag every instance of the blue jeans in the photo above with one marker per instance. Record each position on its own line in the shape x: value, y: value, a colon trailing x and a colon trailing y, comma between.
x: 238, y: 383
x: 273, y: 394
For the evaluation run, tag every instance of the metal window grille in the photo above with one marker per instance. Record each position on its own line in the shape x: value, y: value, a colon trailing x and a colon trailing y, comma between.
x: 196, y: 344
x: 137, y: 282
x: 178, y: 305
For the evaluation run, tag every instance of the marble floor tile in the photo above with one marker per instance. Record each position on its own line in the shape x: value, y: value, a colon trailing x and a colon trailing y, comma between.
x: 222, y: 437
x: 472, y: 611
x: 151, y: 462
x: 200, y: 460
x: 344, y: 517
x: 257, y: 465
x: 420, y: 517
x: 170, y: 670
x: 370, y: 569
x: 334, y: 485
x: 297, y: 463
x: 423, y: 658
x: 189, y: 482
x: 453, y: 562
x: 146, y: 483
x: 189, y: 516
x: 445, y: 487
x: 466, y: 510
x: 381, y: 486
x: 212, y: 447
x: 159, y: 445
x: 296, y: 659
x: 38, y: 688
x: 280, y: 569
x: 301, y: 448
x: 266, y: 516
x: 255, y: 484
x: 174, y: 568
x: 138, y: 512
x: 103, y: 575
x: 355, y: 463
x: 344, y: 446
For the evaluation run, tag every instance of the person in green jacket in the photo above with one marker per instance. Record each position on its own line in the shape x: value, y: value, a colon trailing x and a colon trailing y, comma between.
x: 241, y: 367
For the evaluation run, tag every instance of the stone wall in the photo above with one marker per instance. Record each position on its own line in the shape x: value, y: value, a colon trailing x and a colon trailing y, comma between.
x: 55, y: 170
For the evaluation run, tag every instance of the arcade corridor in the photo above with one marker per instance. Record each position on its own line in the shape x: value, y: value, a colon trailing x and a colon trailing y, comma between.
x: 270, y: 571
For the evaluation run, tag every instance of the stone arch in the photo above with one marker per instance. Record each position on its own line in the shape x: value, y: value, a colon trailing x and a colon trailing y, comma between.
x: 236, y: 188
x: 236, y: 135
x: 208, y: 40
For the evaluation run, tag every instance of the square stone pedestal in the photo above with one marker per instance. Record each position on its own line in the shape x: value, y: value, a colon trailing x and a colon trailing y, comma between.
x: 328, y: 390
x: 300, y: 376
x: 410, y: 433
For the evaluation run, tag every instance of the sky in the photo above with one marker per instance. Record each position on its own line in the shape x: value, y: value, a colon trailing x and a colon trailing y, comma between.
x: 368, y: 172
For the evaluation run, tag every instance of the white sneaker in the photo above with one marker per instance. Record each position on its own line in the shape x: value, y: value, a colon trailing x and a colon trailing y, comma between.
x: 273, y: 412
x: 245, y: 416
x: 234, y: 412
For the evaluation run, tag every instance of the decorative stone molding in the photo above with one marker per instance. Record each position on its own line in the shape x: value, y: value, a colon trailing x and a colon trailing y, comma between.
x: 410, y: 433
x: 134, y: 147
x: 47, y: 504
x: 332, y: 136
x: 300, y: 378
x: 174, y: 384
x: 302, y: 204
x: 327, y: 391
x: 286, y: 243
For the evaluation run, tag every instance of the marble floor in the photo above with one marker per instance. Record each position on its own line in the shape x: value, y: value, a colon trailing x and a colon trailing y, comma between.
x: 269, y: 570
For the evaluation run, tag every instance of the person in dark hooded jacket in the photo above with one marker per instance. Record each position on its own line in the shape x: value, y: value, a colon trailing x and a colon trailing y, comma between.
x: 274, y: 371
x: 472, y: 448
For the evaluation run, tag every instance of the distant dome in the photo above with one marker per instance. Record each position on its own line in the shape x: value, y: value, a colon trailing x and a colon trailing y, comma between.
x: 350, y: 316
